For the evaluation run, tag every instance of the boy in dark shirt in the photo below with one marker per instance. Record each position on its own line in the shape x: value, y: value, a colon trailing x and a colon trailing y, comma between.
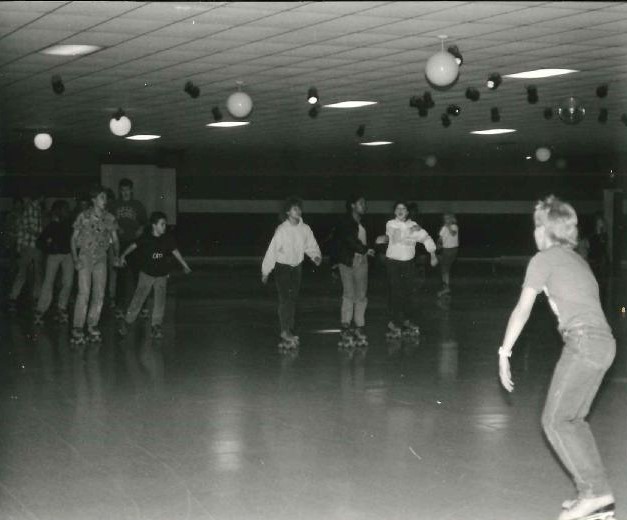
x: 589, y: 350
x: 55, y: 242
x: 153, y: 258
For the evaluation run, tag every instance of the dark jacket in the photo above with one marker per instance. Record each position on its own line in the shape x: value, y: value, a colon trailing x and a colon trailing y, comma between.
x: 348, y: 243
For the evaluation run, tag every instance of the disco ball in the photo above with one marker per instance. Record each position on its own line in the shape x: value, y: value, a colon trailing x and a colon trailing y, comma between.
x: 571, y: 111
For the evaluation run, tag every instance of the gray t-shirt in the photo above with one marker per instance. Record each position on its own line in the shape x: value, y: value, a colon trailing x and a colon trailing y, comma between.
x: 570, y: 286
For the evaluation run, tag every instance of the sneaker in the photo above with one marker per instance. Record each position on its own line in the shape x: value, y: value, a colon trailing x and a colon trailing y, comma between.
x: 597, y: 508
x: 123, y: 328
x: 145, y: 313
x: 62, y: 316
x: 39, y: 318
x: 156, y: 332
x: 119, y: 314
x: 78, y: 336
x: 94, y: 333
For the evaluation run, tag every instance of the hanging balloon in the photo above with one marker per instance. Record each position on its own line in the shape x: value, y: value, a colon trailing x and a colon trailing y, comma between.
x: 543, y: 154
x: 43, y: 141
x: 121, y: 126
x: 239, y: 104
x: 571, y: 111
x: 442, y: 69
x: 431, y: 161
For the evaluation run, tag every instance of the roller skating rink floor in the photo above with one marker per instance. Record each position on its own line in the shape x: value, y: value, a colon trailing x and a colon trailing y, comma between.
x: 213, y: 422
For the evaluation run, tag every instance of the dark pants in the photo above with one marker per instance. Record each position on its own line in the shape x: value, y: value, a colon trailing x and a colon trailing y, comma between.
x: 125, y: 282
x: 401, y: 278
x: 287, y: 280
x: 586, y: 356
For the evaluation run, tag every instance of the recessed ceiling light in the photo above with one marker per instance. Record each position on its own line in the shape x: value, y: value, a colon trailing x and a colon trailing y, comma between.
x: 540, y: 73
x: 376, y: 143
x: 70, y: 50
x: 143, y: 137
x: 351, y: 104
x: 494, y: 131
x: 229, y: 124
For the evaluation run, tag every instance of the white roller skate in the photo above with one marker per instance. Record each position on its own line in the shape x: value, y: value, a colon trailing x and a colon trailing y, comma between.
x: 78, y: 337
x: 62, y: 316
x: 347, y: 338
x: 361, y: 340
x: 393, y: 332
x: 594, y: 508
x: 410, y: 329
x: 288, y: 342
x: 94, y: 335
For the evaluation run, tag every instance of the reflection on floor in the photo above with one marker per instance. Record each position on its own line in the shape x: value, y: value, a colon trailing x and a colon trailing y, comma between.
x: 212, y: 422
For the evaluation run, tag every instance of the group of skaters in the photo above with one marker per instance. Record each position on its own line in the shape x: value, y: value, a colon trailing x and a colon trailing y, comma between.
x: 293, y: 239
x: 558, y: 270
x: 104, y: 238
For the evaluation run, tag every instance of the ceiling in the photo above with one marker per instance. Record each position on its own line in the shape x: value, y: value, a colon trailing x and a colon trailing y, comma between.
x: 348, y: 50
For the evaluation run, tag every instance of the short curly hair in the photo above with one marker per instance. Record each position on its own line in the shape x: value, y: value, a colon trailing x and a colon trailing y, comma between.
x: 559, y: 219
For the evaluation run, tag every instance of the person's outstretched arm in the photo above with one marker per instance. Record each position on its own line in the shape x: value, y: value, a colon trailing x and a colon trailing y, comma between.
x: 182, y: 261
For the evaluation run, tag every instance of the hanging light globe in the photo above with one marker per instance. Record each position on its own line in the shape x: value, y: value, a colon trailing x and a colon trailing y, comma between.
x: 442, y: 69
x: 571, y: 111
x: 239, y: 104
x: 543, y: 154
x: 431, y: 161
x: 43, y: 141
x: 120, y: 126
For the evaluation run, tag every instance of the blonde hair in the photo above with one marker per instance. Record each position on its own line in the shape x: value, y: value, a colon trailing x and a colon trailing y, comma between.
x: 559, y: 220
x: 451, y: 217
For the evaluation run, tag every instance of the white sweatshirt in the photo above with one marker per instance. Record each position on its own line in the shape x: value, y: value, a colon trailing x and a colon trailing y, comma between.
x: 289, y: 245
x: 403, y: 238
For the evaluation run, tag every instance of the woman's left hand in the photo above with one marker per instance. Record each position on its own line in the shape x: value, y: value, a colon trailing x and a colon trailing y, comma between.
x: 505, y: 373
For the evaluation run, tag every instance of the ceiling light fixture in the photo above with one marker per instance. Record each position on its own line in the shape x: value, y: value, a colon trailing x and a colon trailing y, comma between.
x: 143, y: 137
x: 119, y: 124
x: 453, y: 110
x: 351, y: 104
x: 43, y: 141
x: 540, y: 73
x: 312, y: 96
x: 472, y: 94
x: 494, y: 80
x: 495, y: 115
x: 603, y: 116
x: 494, y: 131
x: 70, y: 50
x: 57, y: 84
x: 239, y: 104
x: 228, y: 124
x: 191, y: 89
x: 442, y: 68
x: 532, y: 94
x: 602, y: 91
x: 376, y: 143
x: 454, y: 50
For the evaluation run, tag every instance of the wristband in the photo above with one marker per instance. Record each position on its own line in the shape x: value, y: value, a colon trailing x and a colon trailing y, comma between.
x: 503, y: 352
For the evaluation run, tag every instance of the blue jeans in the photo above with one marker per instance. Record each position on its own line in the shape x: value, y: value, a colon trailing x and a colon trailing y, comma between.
x: 92, y: 281
x: 587, y: 355
x: 354, y: 291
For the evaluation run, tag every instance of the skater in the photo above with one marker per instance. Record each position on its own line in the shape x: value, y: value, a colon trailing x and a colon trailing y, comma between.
x: 449, y: 242
x: 153, y: 254
x: 55, y: 242
x: 292, y: 240
x: 588, y: 352
x: 94, y: 230
x: 130, y: 215
x: 403, y: 234
x: 353, y: 254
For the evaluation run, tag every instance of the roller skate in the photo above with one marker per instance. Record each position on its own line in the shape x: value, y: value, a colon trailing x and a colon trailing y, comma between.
x: 361, y: 340
x: 445, y: 292
x: 78, y: 337
x: 38, y: 319
x: 393, y: 332
x: 62, y: 316
x: 594, y: 508
x: 119, y: 314
x: 410, y: 329
x: 144, y: 314
x: 156, y: 332
x: 123, y: 328
x: 94, y: 335
x: 347, y: 338
x: 288, y: 342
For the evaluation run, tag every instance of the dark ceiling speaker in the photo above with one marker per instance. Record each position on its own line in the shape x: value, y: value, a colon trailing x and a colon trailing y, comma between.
x: 532, y: 95
x: 361, y: 130
x: 494, y: 80
x: 548, y: 113
x: 472, y: 94
x: 603, y: 113
x: 495, y: 116
x: 446, y: 120
x: 57, y: 84
x: 192, y: 90
x: 602, y: 91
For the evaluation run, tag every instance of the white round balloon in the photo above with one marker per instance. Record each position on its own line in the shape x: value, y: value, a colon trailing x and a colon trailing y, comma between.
x: 431, y: 161
x: 442, y: 69
x: 121, y: 126
x: 543, y: 154
x: 239, y: 104
x: 43, y: 141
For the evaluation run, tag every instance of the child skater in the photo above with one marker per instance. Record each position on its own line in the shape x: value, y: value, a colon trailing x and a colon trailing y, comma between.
x: 55, y: 241
x: 589, y: 349
x: 292, y: 240
x: 353, y: 254
x: 403, y: 234
x: 449, y: 241
x: 154, y: 252
x: 95, y: 230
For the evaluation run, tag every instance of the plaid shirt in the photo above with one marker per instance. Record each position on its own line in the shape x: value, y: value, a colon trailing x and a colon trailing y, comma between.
x: 29, y: 226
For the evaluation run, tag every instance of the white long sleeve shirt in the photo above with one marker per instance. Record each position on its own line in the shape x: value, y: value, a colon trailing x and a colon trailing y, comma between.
x: 289, y: 245
x: 403, y: 236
